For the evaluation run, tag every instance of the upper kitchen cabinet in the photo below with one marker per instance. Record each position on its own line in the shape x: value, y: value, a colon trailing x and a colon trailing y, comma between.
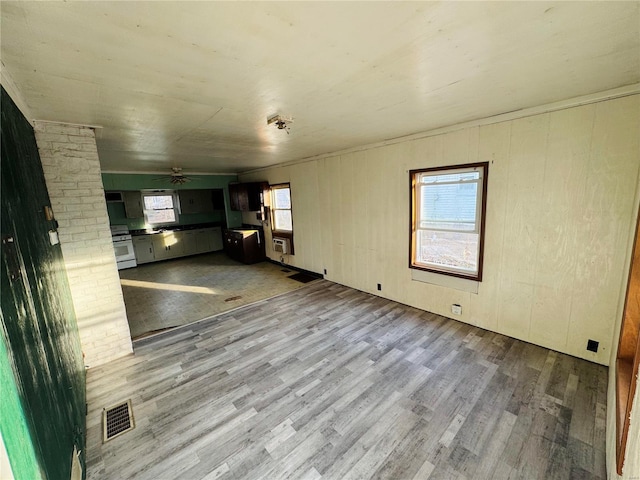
x: 195, y: 201
x: 247, y: 197
x: 133, y: 204
x: 201, y: 201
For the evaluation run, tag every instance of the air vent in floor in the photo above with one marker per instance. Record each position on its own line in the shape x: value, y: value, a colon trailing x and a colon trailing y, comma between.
x: 117, y: 420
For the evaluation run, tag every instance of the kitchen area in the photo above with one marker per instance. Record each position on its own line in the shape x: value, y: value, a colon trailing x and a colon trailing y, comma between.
x: 183, y: 253
x: 168, y: 220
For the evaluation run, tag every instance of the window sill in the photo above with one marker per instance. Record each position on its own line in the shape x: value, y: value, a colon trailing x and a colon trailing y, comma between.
x: 448, y: 281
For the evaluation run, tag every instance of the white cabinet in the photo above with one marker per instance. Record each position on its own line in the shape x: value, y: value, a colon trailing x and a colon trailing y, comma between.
x: 160, y: 248
x: 216, y: 239
x: 168, y: 245
x: 133, y: 204
x: 143, y: 248
x: 165, y: 245
x: 202, y: 241
x: 190, y: 242
x: 176, y: 243
x: 209, y: 239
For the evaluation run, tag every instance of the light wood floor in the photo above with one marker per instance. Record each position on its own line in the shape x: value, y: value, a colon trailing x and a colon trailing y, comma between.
x: 329, y: 382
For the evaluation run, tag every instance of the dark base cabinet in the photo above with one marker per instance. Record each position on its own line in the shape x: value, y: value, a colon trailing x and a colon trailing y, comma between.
x: 244, y: 246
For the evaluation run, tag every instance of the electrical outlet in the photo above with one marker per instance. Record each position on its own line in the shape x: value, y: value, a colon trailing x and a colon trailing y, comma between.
x: 456, y: 309
x: 592, y: 346
x: 325, y: 271
x: 379, y: 287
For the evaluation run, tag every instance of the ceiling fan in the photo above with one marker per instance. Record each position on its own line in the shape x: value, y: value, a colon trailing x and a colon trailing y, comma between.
x: 176, y: 177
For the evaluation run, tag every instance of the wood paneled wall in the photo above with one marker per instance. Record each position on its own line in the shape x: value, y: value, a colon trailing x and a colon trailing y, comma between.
x: 559, y: 210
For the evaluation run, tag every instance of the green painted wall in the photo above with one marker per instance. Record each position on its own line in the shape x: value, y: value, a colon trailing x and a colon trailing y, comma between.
x: 42, y: 412
x: 125, y: 181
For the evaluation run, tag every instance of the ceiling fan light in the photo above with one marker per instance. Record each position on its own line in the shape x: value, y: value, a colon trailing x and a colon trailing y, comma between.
x: 282, y: 123
x: 176, y: 177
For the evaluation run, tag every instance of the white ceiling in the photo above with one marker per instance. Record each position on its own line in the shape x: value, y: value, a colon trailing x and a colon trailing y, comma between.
x: 191, y: 84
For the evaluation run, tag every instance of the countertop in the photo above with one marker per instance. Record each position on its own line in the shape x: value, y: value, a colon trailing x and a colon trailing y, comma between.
x: 176, y: 228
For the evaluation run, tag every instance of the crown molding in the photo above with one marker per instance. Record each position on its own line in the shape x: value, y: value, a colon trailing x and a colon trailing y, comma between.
x: 625, y: 91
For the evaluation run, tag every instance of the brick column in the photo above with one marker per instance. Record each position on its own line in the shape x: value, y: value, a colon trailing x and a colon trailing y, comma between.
x: 72, y: 172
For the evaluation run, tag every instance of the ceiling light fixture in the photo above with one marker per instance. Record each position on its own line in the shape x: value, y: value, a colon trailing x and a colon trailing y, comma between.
x: 176, y: 177
x: 281, y: 122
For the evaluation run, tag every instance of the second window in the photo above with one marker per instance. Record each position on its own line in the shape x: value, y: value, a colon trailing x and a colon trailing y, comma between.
x: 447, y: 219
x: 281, y: 208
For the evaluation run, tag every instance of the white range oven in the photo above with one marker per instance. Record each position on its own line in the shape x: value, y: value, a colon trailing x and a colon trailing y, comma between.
x: 123, y: 246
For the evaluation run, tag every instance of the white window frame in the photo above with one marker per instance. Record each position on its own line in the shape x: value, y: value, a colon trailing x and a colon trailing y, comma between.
x: 163, y: 193
x: 274, y: 209
x: 416, y: 186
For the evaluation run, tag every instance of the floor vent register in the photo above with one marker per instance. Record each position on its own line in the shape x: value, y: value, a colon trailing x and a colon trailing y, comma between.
x: 117, y: 420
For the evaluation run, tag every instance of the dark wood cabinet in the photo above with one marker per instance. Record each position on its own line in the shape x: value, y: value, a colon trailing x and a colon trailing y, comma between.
x: 238, y: 196
x: 246, y: 246
x: 246, y: 197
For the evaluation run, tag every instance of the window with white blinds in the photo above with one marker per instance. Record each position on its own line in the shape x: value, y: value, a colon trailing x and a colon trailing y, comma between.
x: 447, y: 211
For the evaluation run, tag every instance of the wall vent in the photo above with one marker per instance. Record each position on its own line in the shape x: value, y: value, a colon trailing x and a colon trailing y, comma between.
x: 117, y: 420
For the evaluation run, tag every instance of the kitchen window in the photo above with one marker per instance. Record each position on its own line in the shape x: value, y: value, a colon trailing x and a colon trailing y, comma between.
x: 281, y: 208
x: 159, y: 208
x: 447, y: 219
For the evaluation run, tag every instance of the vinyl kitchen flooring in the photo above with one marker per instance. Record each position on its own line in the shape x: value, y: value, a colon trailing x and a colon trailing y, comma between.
x: 167, y: 294
x: 327, y: 382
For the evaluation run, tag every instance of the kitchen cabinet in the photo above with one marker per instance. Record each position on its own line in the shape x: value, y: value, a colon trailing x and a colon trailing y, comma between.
x: 133, y: 204
x: 216, y: 239
x: 172, y: 244
x: 203, y: 243
x: 143, y: 248
x: 210, y: 240
x: 244, y: 246
x: 189, y: 242
x: 202, y: 240
x: 247, y: 197
x: 196, y: 201
x: 168, y: 245
x: 238, y: 196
